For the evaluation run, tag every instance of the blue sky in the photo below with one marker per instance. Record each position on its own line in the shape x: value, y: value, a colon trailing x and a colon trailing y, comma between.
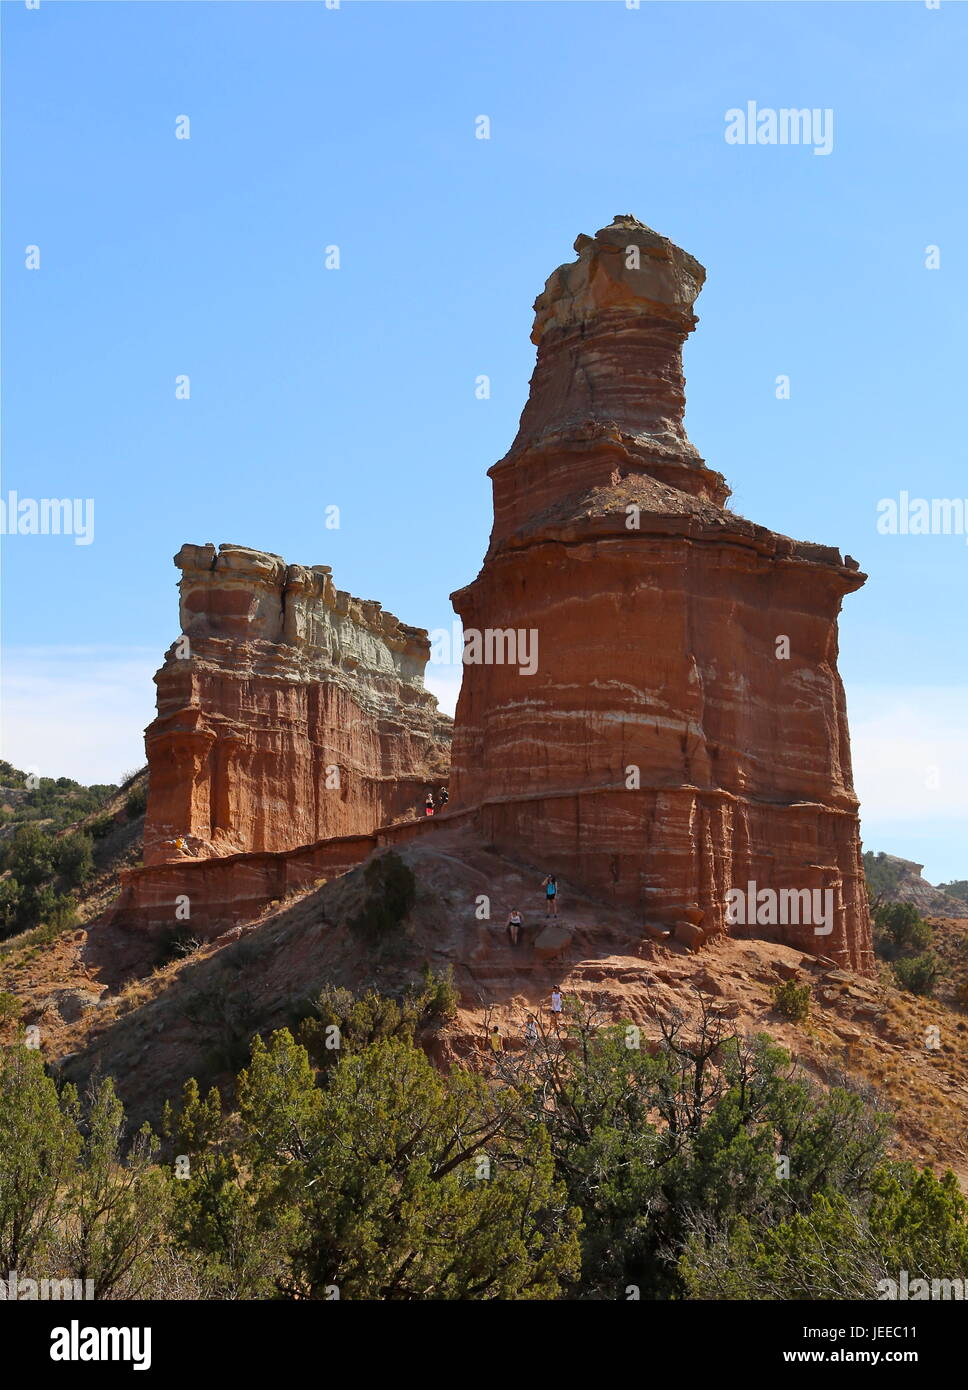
x: 355, y: 387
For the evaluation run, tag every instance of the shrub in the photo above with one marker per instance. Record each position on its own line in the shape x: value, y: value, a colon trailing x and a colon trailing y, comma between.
x: 881, y: 873
x: 10, y: 1007
x: 390, y: 893
x: 900, y: 930
x: 440, y: 996
x: 137, y: 801
x: 11, y: 776
x: 30, y: 855
x: 792, y: 1000
x: 9, y: 905
x: 918, y: 974
x: 370, y: 1018
x: 226, y: 1016
x: 74, y: 858
x: 35, y: 909
x: 174, y: 942
x: 101, y: 827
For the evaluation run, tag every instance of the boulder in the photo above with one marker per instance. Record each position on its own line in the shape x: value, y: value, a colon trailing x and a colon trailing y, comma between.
x: 689, y: 935
x: 551, y: 941
x: 71, y: 1003
x: 707, y: 983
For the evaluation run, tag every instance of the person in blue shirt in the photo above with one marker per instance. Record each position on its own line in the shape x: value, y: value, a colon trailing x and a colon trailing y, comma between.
x: 550, y: 885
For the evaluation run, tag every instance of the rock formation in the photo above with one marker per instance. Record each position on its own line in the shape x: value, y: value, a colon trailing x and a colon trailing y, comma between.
x: 683, y: 732
x: 898, y: 880
x: 288, y: 712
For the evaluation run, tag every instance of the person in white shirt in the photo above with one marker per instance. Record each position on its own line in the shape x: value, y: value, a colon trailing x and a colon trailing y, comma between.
x: 556, y: 1003
x: 515, y: 924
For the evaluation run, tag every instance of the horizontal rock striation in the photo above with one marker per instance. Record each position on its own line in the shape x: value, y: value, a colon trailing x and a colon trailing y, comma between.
x: 289, y: 712
x: 227, y: 891
x: 684, y: 733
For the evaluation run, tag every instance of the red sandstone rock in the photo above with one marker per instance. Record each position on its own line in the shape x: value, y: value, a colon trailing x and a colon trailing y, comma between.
x: 288, y: 713
x: 551, y: 941
x: 689, y: 935
x: 661, y: 748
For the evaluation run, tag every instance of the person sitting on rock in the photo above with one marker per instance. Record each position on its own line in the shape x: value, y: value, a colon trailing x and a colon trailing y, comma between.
x: 515, y: 923
x: 550, y: 885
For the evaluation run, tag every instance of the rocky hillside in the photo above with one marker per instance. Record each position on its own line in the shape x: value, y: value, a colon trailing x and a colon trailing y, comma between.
x: 891, y: 879
x: 61, y: 847
x: 152, y: 1014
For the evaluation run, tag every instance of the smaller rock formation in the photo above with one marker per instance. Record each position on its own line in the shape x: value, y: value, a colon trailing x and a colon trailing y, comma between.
x: 898, y: 880
x: 289, y: 712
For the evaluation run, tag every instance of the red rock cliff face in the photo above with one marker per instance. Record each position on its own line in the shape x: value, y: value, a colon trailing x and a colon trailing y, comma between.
x: 288, y: 712
x: 664, y: 749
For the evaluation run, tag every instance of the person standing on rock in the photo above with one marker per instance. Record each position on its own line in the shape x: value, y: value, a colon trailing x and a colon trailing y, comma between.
x: 443, y: 796
x: 550, y: 885
x: 429, y: 804
x: 531, y: 1031
x: 515, y: 924
x: 495, y: 1040
x: 556, y: 1004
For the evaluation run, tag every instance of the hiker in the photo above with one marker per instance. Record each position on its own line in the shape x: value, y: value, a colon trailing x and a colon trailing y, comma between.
x: 550, y: 885
x: 515, y: 924
x: 556, y: 1003
x: 443, y: 796
x: 531, y: 1031
x: 495, y: 1040
x: 429, y: 804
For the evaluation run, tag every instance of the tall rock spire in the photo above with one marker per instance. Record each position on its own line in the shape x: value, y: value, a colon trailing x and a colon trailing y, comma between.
x: 678, y: 729
x: 608, y: 393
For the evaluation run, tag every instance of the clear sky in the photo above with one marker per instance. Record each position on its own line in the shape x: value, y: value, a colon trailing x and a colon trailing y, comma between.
x: 315, y: 387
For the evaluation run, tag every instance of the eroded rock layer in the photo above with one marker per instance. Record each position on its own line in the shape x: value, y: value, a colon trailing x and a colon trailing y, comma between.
x: 683, y: 733
x: 289, y: 712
